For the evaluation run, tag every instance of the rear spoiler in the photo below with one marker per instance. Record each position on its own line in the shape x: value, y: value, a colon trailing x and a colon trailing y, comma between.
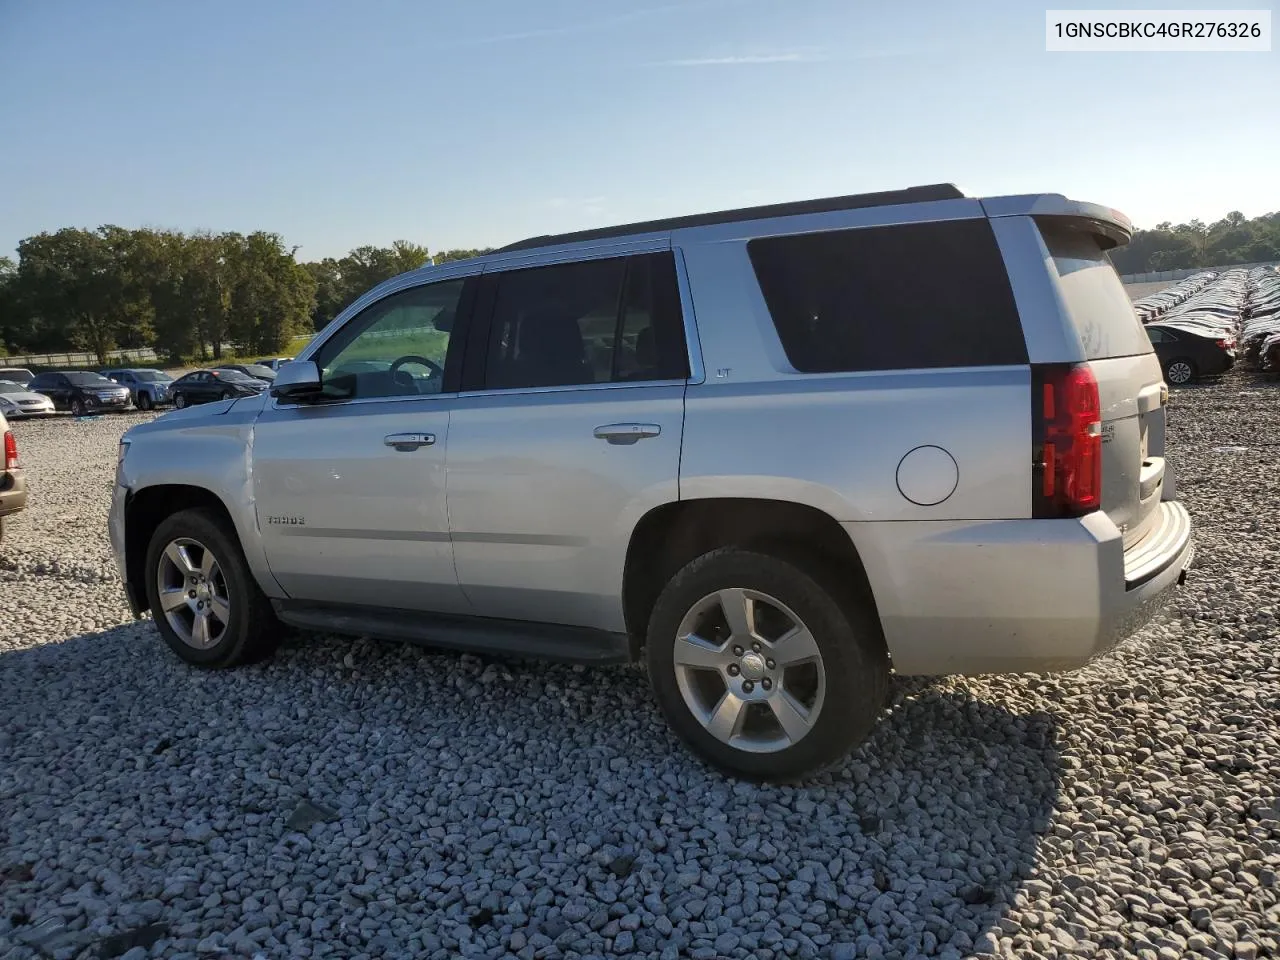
x: 1111, y: 227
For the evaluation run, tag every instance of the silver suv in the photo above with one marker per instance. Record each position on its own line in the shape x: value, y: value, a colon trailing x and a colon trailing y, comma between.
x: 771, y: 452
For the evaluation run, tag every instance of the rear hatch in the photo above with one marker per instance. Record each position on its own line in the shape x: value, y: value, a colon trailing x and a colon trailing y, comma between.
x: 1131, y: 388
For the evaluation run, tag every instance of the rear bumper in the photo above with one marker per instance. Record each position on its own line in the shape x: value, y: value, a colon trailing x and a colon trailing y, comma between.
x: 1016, y: 596
x: 13, y: 492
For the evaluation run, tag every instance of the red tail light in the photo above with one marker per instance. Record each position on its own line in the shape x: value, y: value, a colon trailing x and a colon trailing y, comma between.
x: 1226, y: 344
x: 1066, y: 441
x: 10, y: 451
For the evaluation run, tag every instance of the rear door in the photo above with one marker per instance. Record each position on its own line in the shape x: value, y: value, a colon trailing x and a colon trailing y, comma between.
x: 569, y: 433
x: 1130, y: 379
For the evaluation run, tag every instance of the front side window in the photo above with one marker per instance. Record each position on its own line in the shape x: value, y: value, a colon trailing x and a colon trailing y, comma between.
x: 595, y: 321
x: 396, y: 347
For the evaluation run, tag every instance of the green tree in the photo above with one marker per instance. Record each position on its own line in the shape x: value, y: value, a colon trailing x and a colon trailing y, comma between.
x: 76, y: 285
x: 271, y: 294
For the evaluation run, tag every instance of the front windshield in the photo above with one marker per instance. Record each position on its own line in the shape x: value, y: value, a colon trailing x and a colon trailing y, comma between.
x: 256, y: 370
x: 152, y: 376
x: 86, y: 379
x: 230, y: 375
x: 7, y: 386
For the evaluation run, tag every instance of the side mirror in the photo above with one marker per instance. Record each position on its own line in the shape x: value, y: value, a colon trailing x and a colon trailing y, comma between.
x: 298, y: 382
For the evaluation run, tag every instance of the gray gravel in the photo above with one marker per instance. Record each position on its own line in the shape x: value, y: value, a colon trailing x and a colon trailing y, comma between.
x: 361, y: 799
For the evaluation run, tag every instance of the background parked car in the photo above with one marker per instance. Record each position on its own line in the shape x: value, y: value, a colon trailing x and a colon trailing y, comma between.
x: 148, y: 388
x: 204, y: 386
x: 1186, y: 355
x: 81, y: 391
x: 13, y: 488
x: 17, y: 401
x: 16, y: 375
x: 255, y: 371
x: 274, y: 363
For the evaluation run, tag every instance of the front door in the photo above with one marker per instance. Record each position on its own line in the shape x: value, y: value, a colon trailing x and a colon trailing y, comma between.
x: 351, y: 491
x: 571, y: 435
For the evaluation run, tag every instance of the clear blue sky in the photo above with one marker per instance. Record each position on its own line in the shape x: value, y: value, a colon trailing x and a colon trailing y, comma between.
x: 478, y: 122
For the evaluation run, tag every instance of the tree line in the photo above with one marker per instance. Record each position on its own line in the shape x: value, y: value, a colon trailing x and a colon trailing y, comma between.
x: 184, y: 295
x: 1233, y: 239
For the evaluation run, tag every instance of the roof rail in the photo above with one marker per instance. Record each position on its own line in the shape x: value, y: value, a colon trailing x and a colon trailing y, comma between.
x: 925, y: 194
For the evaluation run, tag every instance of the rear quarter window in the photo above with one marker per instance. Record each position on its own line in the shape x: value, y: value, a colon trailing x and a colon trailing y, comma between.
x: 890, y: 298
x: 1100, y: 309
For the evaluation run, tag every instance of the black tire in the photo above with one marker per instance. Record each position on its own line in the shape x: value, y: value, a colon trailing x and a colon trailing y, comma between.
x: 253, y: 631
x: 1182, y: 379
x: 179, y: 400
x: 78, y: 408
x: 227, y: 395
x: 144, y: 401
x: 848, y: 637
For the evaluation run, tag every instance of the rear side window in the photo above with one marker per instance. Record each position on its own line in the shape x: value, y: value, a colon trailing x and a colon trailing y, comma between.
x: 594, y: 321
x: 890, y: 298
x: 1100, y: 309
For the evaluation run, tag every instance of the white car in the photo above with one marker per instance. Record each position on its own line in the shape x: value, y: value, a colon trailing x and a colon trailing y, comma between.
x: 17, y: 401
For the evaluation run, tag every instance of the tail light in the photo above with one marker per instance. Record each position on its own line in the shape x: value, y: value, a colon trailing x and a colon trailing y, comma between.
x: 1226, y: 344
x: 10, y: 451
x: 1066, y: 441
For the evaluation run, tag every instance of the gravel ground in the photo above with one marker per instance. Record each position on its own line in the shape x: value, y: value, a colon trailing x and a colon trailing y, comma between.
x: 360, y: 799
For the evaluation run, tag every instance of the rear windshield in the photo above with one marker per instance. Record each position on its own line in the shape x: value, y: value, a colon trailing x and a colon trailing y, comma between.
x: 1102, y: 312
x: 890, y: 298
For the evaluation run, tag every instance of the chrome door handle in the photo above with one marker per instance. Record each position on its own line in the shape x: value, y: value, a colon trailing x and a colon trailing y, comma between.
x: 409, y: 441
x: 627, y: 432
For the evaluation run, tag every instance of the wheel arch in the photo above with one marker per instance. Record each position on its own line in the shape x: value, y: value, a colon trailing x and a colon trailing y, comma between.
x: 673, y: 534
x: 146, y: 509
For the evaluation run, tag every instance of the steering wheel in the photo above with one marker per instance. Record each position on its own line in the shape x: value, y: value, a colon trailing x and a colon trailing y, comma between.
x: 407, y: 380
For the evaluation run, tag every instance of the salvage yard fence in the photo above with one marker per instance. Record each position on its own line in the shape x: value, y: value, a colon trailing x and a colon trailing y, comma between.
x: 132, y: 355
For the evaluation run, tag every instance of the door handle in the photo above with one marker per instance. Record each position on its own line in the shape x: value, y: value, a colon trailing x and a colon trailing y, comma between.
x: 626, y: 433
x: 409, y: 441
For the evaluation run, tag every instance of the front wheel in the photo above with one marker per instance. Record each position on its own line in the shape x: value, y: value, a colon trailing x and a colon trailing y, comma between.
x: 180, y: 400
x: 206, y: 604
x: 227, y: 395
x: 78, y: 408
x: 144, y: 401
x: 1179, y: 372
x: 763, y: 669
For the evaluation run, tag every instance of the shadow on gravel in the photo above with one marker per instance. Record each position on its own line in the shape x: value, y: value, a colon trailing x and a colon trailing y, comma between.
x: 451, y: 765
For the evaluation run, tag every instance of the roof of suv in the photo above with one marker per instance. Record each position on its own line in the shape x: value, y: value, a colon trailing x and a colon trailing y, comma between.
x: 925, y: 194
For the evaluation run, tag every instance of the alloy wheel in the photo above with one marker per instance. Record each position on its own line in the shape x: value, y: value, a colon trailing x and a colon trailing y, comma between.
x: 193, y: 593
x: 749, y: 670
x: 1179, y: 372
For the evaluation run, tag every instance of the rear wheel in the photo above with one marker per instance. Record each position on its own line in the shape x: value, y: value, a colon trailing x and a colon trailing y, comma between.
x: 1180, y: 371
x: 179, y: 400
x: 760, y: 669
x: 205, y: 601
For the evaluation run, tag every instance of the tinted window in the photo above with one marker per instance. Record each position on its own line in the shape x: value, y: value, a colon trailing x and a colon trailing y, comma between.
x: 84, y: 379
x: 43, y: 380
x: 396, y: 347
x: 151, y: 376
x: 890, y: 298
x: 650, y: 333
x: 596, y: 321
x: 1100, y: 310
